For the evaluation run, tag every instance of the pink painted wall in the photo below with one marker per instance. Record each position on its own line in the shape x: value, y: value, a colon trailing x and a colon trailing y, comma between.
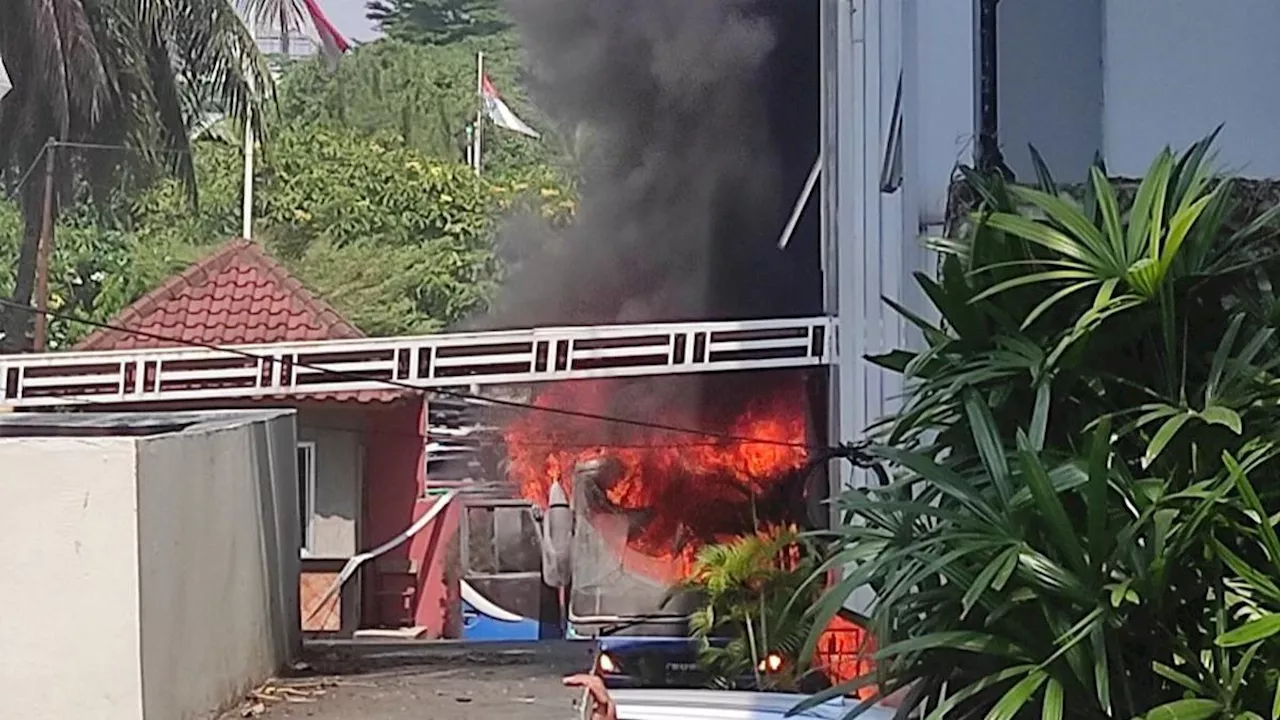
x: 394, y: 477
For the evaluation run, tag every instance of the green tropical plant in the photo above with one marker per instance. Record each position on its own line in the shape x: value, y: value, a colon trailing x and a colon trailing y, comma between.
x: 113, y: 72
x: 746, y: 614
x: 1081, y: 523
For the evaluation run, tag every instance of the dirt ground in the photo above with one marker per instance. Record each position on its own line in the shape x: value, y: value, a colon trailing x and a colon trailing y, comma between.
x: 399, y: 681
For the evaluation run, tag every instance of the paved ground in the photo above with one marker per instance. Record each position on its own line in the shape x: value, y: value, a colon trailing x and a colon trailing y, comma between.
x: 400, y: 681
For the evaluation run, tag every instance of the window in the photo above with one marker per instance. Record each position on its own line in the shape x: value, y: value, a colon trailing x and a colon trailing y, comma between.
x: 306, y: 493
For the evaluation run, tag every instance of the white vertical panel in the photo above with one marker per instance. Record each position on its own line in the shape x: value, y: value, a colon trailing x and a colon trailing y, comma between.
x: 876, y: 235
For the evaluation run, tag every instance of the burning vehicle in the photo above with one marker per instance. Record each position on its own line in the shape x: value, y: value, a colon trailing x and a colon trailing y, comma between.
x: 622, y: 510
x: 625, y: 509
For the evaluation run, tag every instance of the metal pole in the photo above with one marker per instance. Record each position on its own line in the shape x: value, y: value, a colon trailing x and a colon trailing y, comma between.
x: 990, y: 158
x: 43, y: 252
x: 475, y: 151
x: 798, y: 209
x: 246, y: 209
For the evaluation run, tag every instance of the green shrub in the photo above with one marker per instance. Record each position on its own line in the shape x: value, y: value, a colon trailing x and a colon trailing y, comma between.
x: 747, y: 586
x: 1082, y: 518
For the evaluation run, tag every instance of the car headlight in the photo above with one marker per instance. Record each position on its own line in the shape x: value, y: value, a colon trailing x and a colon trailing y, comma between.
x: 771, y: 663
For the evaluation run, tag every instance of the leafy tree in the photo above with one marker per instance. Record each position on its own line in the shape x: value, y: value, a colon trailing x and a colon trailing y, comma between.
x: 398, y: 242
x: 112, y: 72
x: 283, y: 16
x: 425, y: 94
x: 441, y: 22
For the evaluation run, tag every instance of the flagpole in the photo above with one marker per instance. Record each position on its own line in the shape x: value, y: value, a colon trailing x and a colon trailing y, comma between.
x: 246, y: 210
x: 475, y: 149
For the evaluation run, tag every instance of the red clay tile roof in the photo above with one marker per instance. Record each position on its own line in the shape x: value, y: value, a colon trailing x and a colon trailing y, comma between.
x: 236, y: 296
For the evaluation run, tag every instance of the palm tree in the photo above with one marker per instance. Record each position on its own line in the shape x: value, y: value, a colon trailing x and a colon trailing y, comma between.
x: 129, y: 73
x: 283, y: 15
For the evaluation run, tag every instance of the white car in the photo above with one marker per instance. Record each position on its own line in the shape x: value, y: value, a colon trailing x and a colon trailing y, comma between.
x: 661, y: 704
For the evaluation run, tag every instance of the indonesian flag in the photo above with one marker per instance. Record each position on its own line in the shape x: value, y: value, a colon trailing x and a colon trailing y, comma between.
x: 499, y: 113
x: 324, y: 34
x: 5, y: 84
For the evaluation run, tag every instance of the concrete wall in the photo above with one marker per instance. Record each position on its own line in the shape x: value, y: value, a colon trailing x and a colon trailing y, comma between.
x: 1176, y: 69
x: 150, y: 576
x: 69, y: 619
x: 217, y: 613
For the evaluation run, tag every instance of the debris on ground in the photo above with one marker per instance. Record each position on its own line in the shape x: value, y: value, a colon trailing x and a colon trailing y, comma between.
x: 411, y: 681
x: 277, y: 690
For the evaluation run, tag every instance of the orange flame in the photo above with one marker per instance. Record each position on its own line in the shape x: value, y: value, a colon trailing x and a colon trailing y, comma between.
x: 696, y: 489
x: 845, y: 652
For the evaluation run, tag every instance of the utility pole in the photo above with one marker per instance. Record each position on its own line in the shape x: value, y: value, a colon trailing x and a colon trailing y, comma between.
x: 246, y: 206
x: 479, y: 131
x: 43, y: 252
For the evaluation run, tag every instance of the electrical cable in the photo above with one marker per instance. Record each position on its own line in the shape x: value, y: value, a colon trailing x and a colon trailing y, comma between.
x: 724, y: 437
x: 26, y: 175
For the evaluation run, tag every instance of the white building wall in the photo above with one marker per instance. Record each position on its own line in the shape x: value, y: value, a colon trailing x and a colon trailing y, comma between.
x: 69, y: 632
x: 875, y: 236
x: 1176, y: 69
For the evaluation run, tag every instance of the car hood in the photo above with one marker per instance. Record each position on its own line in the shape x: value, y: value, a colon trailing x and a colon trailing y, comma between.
x: 664, y: 704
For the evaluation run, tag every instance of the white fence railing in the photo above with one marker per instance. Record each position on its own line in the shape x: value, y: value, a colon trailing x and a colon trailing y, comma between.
x: 431, y: 361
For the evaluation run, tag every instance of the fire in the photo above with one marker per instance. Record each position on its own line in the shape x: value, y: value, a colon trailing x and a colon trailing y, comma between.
x: 845, y: 652
x: 682, y: 490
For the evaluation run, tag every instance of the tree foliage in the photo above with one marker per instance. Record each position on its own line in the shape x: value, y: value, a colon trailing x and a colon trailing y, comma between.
x: 748, y: 613
x: 442, y: 22
x: 425, y: 94
x: 115, y: 72
x: 397, y: 241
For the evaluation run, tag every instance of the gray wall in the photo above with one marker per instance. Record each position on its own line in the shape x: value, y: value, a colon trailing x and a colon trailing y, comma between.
x: 149, y: 576
x: 941, y: 124
x: 339, y: 440
x: 1127, y: 77
x: 218, y: 557
x: 1051, y: 88
x: 1176, y: 69
x: 69, y: 618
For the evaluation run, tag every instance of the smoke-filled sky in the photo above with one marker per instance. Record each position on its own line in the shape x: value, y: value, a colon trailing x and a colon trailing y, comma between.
x: 702, y: 119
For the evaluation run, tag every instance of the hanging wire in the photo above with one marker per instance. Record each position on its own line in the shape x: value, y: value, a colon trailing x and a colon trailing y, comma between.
x: 480, y: 399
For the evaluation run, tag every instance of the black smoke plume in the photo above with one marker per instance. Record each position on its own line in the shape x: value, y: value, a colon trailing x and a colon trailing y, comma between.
x: 702, y: 118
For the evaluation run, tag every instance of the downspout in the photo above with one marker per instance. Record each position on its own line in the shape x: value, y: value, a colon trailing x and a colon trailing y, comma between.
x: 990, y: 158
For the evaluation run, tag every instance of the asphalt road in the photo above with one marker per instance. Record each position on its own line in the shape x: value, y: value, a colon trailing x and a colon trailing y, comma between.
x: 400, y: 681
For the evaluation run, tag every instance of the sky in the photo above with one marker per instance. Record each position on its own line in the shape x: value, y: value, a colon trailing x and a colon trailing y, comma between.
x: 348, y: 17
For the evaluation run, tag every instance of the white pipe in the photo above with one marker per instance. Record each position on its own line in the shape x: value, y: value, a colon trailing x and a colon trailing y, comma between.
x: 479, y: 131
x: 246, y: 210
x: 485, y: 605
x: 356, y: 561
x: 801, y: 202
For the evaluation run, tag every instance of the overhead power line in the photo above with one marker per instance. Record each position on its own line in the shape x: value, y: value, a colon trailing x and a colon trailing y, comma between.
x: 471, y: 397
